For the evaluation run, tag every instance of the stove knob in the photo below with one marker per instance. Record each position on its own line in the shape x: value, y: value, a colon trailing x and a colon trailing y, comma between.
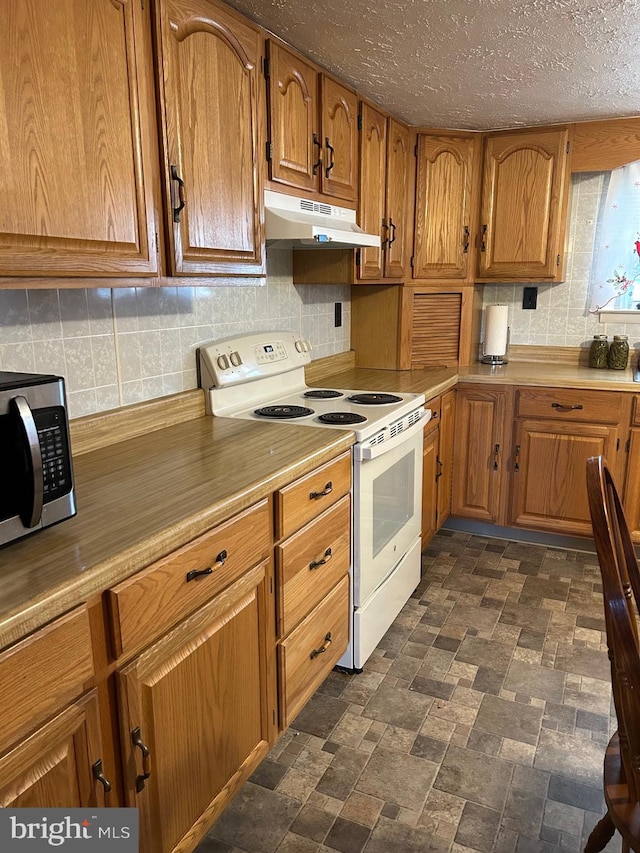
x: 223, y: 362
x: 236, y: 361
x: 300, y: 346
x: 307, y: 346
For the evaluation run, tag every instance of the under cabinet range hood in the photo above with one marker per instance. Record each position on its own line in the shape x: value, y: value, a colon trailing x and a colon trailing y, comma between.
x: 300, y: 223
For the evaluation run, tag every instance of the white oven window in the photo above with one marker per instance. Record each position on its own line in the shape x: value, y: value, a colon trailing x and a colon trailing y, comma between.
x: 393, y: 501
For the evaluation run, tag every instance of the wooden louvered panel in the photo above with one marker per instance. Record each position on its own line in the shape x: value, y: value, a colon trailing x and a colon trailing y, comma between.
x: 436, y: 329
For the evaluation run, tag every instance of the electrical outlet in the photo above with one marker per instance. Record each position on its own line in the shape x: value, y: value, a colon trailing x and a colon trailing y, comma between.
x: 338, y: 314
x: 530, y: 297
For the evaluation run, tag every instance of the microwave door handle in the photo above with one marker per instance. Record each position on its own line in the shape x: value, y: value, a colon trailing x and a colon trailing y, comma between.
x: 366, y: 453
x: 30, y: 516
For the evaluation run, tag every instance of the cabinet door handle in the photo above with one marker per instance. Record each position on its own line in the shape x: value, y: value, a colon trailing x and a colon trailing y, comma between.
x: 323, y: 648
x: 136, y: 737
x: 516, y: 466
x: 439, y: 463
x: 200, y: 573
x: 562, y: 408
x: 98, y: 774
x: 392, y: 226
x: 496, y: 452
x: 483, y: 245
x: 465, y: 241
x: 177, y: 210
x: 326, y: 491
x: 315, y: 563
x: 332, y: 157
x: 318, y: 162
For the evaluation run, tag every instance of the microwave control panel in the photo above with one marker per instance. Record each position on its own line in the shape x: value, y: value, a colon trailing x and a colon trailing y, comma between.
x: 54, y: 448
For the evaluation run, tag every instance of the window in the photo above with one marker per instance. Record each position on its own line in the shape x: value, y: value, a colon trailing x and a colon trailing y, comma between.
x: 615, y: 274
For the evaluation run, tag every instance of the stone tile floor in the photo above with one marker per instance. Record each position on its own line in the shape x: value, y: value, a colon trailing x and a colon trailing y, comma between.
x: 479, y: 723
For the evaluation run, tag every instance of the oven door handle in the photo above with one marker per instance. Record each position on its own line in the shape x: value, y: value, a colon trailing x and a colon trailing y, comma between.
x: 363, y: 453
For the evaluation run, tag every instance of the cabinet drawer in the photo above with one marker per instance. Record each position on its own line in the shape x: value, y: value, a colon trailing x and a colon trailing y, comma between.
x: 636, y: 412
x: 434, y: 422
x: 307, y: 497
x: 302, y: 671
x: 310, y: 563
x: 153, y: 600
x: 570, y: 404
x: 43, y: 673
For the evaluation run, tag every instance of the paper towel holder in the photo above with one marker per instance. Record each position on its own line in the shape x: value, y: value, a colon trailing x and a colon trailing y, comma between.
x: 497, y: 359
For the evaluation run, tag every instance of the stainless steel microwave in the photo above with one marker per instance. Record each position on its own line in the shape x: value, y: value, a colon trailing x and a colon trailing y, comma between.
x: 35, y: 454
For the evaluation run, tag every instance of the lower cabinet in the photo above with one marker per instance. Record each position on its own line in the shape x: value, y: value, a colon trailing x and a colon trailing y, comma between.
x: 437, y: 464
x: 60, y: 765
x: 480, y: 452
x: 523, y: 463
x: 197, y: 713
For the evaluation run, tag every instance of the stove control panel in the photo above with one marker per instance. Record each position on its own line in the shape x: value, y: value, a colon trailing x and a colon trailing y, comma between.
x: 233, y: 361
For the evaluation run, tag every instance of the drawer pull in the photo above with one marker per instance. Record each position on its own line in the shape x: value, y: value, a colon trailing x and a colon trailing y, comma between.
x: 563, y: 408
x: 496, y: 453
x: 323, y: 648
x: 98, y: 773
x: 315, y: 563
x: 199, y: 573
x: 136, y: 737
x: 327, y: 490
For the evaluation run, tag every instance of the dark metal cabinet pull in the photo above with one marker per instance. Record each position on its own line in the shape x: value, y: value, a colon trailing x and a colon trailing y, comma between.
x: 323, y: 648
x: 332, y: 155
x: 136, y: 738
x: 483, y: 245
x: 326, y: 491
x: 562, y: 408
x: 177, y: 210
x: 318, y: 162
x: 439, y: 463
x: 516, y: 466
x: 199, y: 573
x: 496, y: 451
x: 465, y: 242
x: 392, y: 226
x: 98, y: 773
x: 315, y: 563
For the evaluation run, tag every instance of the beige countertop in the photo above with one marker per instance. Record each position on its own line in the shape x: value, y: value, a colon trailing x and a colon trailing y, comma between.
x: 141, y: 498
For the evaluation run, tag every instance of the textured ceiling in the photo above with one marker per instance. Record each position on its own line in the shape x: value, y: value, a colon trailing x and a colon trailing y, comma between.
x: 474, y: 64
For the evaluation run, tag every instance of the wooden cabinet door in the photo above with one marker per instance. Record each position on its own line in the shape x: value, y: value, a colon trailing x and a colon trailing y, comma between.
x: 524, y: 191
x: 445, y: 456
x: 295, y: 146
x: 479, y: 453
x: 373, y: 156
x: 444, y: 212
x: 202, y: 702
x: 550, y: 459
x: 212, y: 104
x: 53, y: 767
x: 632, y: 486
x: 396, y: 199
x: 77, y: 127
x: 430, y: 484
x: 339, y: 134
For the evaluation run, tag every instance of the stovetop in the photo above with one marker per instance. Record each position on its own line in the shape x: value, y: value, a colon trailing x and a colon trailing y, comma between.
x: 245, y: 375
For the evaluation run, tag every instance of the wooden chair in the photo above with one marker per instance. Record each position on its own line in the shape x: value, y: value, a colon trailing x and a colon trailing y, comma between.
x: 621, y: 591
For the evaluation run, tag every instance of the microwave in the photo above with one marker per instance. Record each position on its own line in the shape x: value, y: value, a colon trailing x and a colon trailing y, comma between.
x: 35, y: 454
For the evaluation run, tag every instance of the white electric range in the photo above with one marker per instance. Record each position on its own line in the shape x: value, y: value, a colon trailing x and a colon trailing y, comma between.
x: 261, y: 377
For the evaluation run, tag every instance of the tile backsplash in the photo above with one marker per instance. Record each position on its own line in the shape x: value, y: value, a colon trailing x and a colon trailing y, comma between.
x: 122, y: 345
x: 562, y: 318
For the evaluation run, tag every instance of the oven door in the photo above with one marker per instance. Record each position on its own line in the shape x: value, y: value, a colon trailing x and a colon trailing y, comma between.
x: 387, y: 506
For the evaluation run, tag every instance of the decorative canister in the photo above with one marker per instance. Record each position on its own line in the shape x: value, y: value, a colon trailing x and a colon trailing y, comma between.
x: 599, y: 351
x: 619, y: 352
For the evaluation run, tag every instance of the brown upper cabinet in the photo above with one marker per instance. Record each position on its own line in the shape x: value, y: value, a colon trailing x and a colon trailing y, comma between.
x: 445, y: 206
x: 212, y: 105
x: 312, y: 127
x: 525, y: 187
x: 382, y: 203
x: 77, y: 139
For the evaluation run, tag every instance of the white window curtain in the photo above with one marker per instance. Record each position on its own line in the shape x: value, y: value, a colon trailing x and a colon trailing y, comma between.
x: 615, y: 274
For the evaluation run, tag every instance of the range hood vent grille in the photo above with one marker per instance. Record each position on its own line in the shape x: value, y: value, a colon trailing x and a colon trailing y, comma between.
x: 315, y: 207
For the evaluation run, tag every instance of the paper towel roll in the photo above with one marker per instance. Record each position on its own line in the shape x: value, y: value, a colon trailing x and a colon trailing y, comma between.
x: 496, y: 329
